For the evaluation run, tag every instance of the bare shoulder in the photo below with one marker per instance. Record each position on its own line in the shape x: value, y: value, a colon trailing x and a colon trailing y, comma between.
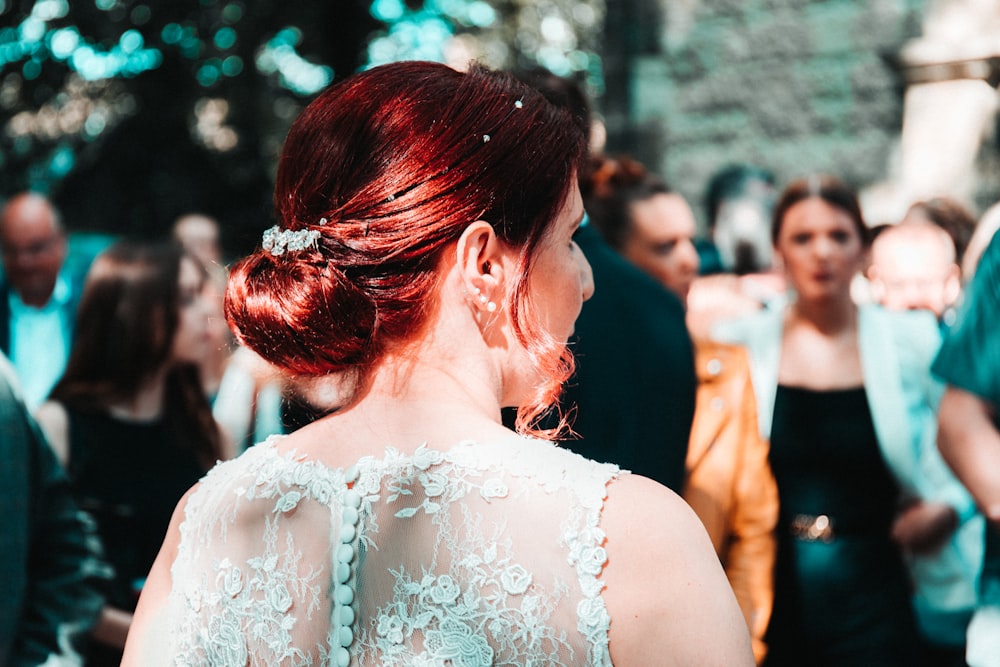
x: 54, y: 421
x: 645, y: 520
x: 668, y: 597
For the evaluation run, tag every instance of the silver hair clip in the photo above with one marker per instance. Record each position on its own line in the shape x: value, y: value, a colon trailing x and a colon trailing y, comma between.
x: 518, y: 104
x: 276, y: 240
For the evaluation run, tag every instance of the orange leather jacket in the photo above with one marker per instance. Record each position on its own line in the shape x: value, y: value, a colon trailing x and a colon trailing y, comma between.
x: 729, y: 481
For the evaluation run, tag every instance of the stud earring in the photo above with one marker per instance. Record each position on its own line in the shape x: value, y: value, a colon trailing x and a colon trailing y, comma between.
x: 484, y: 300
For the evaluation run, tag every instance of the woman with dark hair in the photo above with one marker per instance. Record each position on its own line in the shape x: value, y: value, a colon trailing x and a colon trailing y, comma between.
x: 129, y: 419
x: 424, y: 264
x: 845, y: 395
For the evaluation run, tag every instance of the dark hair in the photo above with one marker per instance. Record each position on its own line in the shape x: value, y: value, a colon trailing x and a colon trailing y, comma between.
x: 951, y: 216
x: 126, y: 323
x: 876, y: 230
x: 830, y: 189
x: 735, y: 181
x: 609, y: 187
x: 390, y: 166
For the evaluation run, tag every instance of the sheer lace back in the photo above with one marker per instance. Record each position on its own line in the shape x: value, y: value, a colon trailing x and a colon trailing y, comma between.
x: 476, y: 555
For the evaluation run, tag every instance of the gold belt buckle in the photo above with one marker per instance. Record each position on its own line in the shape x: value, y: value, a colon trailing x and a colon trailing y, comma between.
x: 812, y: 528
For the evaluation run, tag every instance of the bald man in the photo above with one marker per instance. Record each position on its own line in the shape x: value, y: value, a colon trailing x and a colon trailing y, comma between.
x: 37, y: 297
x: 913, y: 267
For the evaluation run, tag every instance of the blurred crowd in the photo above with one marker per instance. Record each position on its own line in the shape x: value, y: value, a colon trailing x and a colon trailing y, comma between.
x: 820, y: 388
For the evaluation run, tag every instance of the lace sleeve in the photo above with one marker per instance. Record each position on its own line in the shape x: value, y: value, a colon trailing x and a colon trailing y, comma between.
x: 252, y: 578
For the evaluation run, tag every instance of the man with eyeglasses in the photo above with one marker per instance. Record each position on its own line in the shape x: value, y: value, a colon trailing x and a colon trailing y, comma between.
x: 37, y: 297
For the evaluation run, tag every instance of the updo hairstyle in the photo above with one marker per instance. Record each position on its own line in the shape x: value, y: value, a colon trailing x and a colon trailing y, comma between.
x: 390, y: 166
x: 610, y: 186
x: 831, y: 190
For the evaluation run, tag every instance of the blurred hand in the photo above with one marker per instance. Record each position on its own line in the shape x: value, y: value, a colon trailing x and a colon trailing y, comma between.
x: 923, y: 527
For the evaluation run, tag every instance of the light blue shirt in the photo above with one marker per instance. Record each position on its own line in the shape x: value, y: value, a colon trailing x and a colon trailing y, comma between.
x: 40, y: 342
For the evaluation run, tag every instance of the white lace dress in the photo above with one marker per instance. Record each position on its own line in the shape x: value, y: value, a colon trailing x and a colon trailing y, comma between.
x: 476, y: 555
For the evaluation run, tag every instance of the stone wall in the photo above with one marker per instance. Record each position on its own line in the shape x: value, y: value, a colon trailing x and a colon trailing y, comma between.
x: 796, y: 86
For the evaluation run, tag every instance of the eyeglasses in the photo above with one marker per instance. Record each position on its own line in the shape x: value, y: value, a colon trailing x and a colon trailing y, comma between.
x: 29, y: 251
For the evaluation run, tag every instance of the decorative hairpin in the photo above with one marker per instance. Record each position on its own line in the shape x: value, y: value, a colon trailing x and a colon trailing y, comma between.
x: 518, y: 104
x: 484, y: 138
x: 277, y: 240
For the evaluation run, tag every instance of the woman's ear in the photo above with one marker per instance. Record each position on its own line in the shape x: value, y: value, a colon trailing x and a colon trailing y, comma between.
x: 481, y: 266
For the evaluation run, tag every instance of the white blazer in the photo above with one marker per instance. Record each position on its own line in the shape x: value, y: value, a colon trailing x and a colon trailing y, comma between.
x: 897, y: 349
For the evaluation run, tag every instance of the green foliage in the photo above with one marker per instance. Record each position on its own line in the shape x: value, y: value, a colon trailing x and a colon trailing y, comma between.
x: 131, y: 112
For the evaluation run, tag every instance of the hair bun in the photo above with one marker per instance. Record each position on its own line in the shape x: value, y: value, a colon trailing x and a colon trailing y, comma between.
x: 300, y: 314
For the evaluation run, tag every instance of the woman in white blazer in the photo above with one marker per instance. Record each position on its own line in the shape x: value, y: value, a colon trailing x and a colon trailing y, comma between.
x: 846, y: 398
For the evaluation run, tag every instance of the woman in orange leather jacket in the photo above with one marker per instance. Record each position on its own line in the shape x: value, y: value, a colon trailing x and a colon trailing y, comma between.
x: 729, y: 483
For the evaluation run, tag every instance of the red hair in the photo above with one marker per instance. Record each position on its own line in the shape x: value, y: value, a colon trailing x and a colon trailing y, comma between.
x: 390, y: 166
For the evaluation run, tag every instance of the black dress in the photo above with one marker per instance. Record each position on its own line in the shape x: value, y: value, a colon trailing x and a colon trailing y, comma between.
x: 129, y: 476
x: 841, y: 589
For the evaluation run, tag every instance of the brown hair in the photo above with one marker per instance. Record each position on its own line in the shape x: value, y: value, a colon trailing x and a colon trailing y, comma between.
x: 609, y: 187
x: 126, y: 323
x: 951, y: 216
x: 830, y: 189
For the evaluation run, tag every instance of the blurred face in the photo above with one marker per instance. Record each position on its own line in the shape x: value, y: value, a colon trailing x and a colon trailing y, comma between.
x: 33, y: 248
x: 199, y: 236
x: 661, y: 241
x: 193, y: 337
x: 561, y: 279
x: 821, y: 249
x: 742, y: 234
x: 914, y: 269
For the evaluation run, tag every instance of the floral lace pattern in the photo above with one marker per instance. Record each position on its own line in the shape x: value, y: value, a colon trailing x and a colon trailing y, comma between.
x: 448, y: 565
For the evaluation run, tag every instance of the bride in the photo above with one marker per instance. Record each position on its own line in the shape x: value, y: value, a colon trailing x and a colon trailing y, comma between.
x: 424, y: 262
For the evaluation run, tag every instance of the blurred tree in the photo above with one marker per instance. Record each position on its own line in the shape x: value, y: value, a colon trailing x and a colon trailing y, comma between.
x: 130, y: 112
x: 561, y: 35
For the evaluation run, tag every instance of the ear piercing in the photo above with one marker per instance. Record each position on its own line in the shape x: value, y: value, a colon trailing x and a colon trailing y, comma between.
x: 490, y: 305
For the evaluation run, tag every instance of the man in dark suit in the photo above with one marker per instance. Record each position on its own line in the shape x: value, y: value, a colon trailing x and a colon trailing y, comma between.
x: 633, y: 392
x: 38, y: 296
x: 634, y: 388
x: 52, y: 574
